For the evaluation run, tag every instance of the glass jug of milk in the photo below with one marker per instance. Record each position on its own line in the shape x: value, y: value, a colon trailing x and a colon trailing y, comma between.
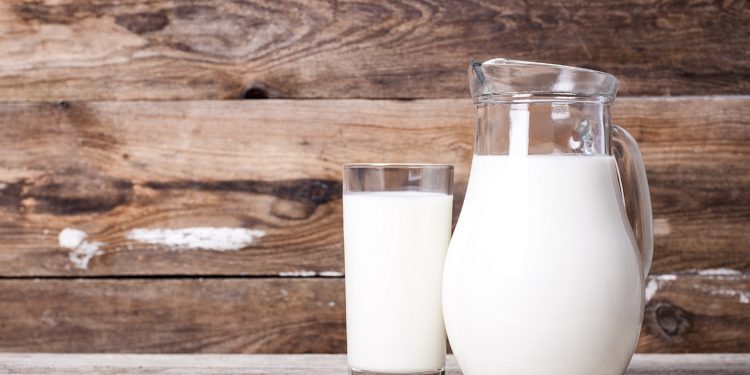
x: 545, y: 270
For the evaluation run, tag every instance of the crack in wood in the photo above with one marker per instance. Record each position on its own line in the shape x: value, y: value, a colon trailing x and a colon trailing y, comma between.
x: 315, y: 191
x: 75, y: 192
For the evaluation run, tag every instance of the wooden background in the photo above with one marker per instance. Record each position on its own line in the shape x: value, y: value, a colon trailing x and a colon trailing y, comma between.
x: 146, y: 207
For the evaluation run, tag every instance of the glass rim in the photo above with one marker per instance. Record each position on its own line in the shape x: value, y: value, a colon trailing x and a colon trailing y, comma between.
x: 397, y: 166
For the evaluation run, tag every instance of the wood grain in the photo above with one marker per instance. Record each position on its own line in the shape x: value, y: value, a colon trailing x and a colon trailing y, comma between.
x: 319, y: 364
x: 173, y: 316
x: 112, y: 49
x: 107, y: 168
x: 686, y: 313
x: 689, y: 312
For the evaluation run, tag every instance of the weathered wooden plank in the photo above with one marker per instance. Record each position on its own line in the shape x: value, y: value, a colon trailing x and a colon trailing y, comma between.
x: 319, y: 364
x: 685, y: 313
x: 272, y: 168
x: 108, y: 168
x: 173, y: 316
x: 707, y: 311
x: 697, y: 156
x: 93, y: 50
x: 689, y: 364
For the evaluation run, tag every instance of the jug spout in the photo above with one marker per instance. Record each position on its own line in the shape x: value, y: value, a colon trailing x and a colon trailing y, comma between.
x: 505, y: 79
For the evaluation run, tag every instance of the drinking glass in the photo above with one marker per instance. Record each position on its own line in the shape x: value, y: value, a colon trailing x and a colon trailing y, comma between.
x: 397, y: 225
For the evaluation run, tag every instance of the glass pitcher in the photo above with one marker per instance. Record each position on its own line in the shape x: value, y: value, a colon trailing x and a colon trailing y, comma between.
x: 545, y: 271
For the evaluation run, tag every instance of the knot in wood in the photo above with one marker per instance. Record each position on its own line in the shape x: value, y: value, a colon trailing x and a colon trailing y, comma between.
x: 667, y: 321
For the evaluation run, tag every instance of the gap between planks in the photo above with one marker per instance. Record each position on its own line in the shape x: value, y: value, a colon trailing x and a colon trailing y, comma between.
x: 318, y: 275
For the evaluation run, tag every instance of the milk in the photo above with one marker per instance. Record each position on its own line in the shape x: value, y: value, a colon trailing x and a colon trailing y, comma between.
x: 543, y: 275
x: 395, y: 245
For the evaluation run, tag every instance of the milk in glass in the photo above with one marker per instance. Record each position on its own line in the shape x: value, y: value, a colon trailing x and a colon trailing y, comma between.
x: 395, y: 245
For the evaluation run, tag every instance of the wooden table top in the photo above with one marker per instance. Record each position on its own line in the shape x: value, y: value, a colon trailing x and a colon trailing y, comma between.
x: 321, y: 364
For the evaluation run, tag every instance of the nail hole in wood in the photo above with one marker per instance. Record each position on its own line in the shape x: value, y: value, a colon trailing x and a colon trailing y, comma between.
x: 255, y: 93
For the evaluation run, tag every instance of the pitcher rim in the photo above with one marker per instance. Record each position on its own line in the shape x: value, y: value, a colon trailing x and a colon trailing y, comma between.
x: 543, y: 82
x: 507, y: 61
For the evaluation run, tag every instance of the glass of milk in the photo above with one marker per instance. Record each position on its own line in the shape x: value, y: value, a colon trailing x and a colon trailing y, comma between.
x: 397, y: 226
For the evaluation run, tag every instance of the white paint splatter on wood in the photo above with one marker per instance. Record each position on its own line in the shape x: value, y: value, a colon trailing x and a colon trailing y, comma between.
x: 661, y: 227
x: 719, y: 272
x: 651, y: 289
x: 331, y: 274
x: 656, y: 282
x: 742, y: 296
x: 204, y: 238
x: 81, y: 251
x: 311, y: 274
x: 70, y: 238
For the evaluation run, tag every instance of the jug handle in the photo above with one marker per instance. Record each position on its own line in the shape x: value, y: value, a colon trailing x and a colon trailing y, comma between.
x: 635, y: 191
